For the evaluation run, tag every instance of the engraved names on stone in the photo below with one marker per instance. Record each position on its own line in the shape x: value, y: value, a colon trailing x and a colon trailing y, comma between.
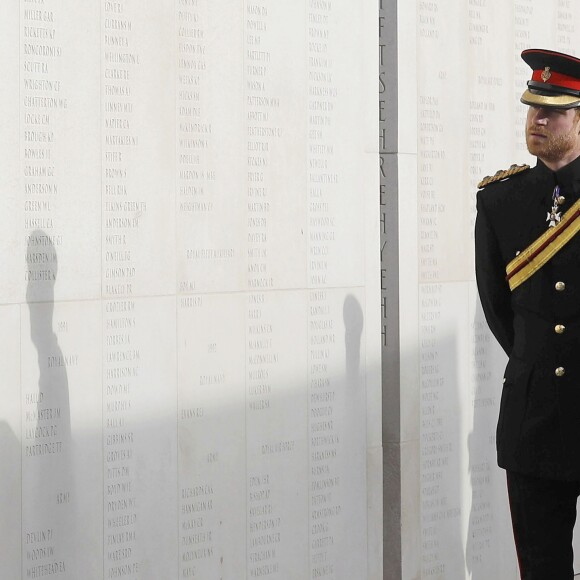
x: 123, y: 206
x: 140, y: 438
x: 566, y: 31
x: 209, y: 125
x: 478, y: 23
x: 11, y: 538
x: 431, y: 154
x: 12, y: 282
x: 261, y: 135
x: 43, y: 101
x: 325, y: 479
x: 276, y: 446
x: 47, y: 471
x: 121, y: 374
x: 429, y: 20
x: 336, y: 403
x: 211, y: 423
x: 274, y: 107
x: 334, y: 251
x: 138, y: 156
x: 257, y: 390
x: 323, y: 174
x: 523, y: 21
x: 441, y: 505
x: 479, y: 33
x: 482, y: 536
x: 46, y: 437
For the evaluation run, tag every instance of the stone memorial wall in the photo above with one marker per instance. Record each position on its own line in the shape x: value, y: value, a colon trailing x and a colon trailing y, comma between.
x: 189, y: 302
x: 455, y: 76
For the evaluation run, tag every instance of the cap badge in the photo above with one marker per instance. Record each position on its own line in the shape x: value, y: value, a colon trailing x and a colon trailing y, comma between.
x: 546, y: 74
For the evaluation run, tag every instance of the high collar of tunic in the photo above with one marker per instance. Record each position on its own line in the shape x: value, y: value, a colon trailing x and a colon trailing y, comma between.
x: 568, y: 178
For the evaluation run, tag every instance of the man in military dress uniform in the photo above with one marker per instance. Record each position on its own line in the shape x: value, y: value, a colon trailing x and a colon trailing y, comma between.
x: 528, y: 276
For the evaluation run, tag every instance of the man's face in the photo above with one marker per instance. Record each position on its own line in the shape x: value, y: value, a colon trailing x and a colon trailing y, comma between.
x: 553, y: 134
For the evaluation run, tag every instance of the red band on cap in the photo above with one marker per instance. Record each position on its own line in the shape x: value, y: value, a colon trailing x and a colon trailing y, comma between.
x: 557, y: 79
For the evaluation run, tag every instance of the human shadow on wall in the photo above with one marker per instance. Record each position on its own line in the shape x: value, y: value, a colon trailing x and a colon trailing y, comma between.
x: 353, y: 326
x: 9, y: 502
x: 48, y: 469
x: 350, y: 430
x: 489, y: 537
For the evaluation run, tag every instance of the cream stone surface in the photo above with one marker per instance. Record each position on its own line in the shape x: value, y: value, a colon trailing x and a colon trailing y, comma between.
x: 189, y: 305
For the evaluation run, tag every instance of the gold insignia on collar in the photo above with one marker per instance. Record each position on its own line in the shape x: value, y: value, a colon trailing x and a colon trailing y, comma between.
x: 546, y: 74
x: 502, y: 174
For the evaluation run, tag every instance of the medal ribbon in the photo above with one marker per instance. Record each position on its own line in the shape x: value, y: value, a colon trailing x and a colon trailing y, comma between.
x: 543, y: 249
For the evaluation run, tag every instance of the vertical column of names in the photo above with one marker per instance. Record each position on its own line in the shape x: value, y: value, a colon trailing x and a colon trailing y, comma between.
x: 566, y: 26
x: 262, y: 133
x: 431, y: 154
x: 211, y: 425
x: 324, y: 428
x: 442, y: 91
x: 490, y: 103
x: 47, y: 526
x: 140, y: 439
x: 276, y: 461
x: 265, y: 524
x: 11, y: 206
x: 122, y: 210
x: 11, y: 537
x: 194, y: 131
x: 523, y: 24
x: 483, y: 529
x: 211, y: 185
x: 337, y: 434
x: 43, y: 101
x: 477, y: 147
x: 433, y: 466
x: 323, y: 178
x: 443, y: 341
x: 274, y: 107
x: 138, y: 281
x: 120, y: 383
x: 275, y: 389
x: 195, y: 134
x: 123, y: 206
x: 46, y: 450
x: 479, y: 31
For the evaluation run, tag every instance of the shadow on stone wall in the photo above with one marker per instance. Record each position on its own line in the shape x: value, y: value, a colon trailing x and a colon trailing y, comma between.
x: 489, y: 548
x: 10, y: 502
x: 47, y: 469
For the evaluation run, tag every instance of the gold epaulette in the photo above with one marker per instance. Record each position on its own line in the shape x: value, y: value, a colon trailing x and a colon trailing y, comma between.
x: 502, y: 174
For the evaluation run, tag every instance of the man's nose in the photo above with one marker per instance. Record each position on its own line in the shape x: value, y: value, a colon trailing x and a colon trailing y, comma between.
x: 540, y: 116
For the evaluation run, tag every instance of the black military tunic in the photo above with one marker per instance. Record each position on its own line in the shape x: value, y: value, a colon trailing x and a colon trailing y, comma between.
x: 538, y: 324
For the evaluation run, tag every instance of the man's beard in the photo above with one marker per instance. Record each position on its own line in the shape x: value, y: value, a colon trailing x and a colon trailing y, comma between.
x: 553, y: 147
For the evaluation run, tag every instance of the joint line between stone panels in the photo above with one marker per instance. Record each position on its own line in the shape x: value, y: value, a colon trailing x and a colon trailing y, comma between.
x: 399, y: 153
